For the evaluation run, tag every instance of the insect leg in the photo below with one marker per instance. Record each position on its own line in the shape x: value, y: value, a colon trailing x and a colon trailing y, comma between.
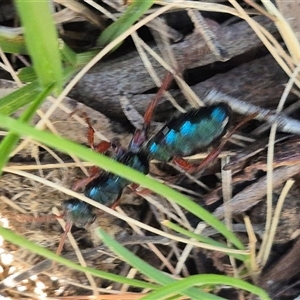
x: 215, y: 152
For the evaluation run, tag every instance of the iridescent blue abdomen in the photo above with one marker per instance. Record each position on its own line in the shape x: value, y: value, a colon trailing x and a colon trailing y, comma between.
x: 107, y: 188
x: 189, y: 133
x: 137, y: 161
x: 78, y: 212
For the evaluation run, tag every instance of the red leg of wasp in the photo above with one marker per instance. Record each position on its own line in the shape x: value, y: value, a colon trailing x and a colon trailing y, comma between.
x: 182, y: 163
x: 207, y: 160
x: 140, y: 135
x: 149, y: 112
x: 115, y: 204
x: 94, y: 172
x: 81, y: 183
x: 63, y: 238
x: 91, y: 131
x: 90, y: 136
x: 242, y: 123
x: 134, y: 186
x: 142, y: 191
x: 102, y: 147
x: 215, y: 152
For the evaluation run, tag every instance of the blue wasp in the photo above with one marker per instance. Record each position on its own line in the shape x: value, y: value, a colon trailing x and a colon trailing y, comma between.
x: 183, y: 135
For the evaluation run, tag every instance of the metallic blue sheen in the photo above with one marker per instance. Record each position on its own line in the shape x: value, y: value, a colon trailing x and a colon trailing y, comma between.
x: 187, y: 128
x: 219, y: 114
x: 171, y: 137
x: 153, y: 148
x: 93, y: 191
x: 78, y: 212
x: 189, y: 133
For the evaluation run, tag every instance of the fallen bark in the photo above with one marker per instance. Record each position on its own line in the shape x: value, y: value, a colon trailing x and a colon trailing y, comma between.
x: 102, y: 87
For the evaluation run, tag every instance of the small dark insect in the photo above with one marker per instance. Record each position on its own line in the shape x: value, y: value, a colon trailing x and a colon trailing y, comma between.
x: 79, y: 212
x: 107, y: 188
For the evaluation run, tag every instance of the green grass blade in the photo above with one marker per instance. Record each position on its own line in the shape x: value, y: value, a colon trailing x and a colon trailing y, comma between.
x: 130, y: 16
x: 148, y: 270
x: 41, y: 40
x: 24, y: 243
x: 18, y: 98
x: 113, y: 166
x: 31, y: 110
x: 72, y: 62
x: 14, y: 45
x: 68, y: 55
x: 84, y: 57
x: 10, y: 141
x: 203, y: 239
x: 202, y: 280
x: 27, y: 74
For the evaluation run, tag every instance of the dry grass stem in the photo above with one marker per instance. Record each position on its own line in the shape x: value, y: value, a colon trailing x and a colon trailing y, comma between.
x: 254, y: 267
x: 77, y: 252
x: 118, y: 215
x: 270, y: 159
x: 275, y: 220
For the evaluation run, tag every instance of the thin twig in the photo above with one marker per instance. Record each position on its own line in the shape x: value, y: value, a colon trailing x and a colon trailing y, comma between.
x: 284, y: 123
